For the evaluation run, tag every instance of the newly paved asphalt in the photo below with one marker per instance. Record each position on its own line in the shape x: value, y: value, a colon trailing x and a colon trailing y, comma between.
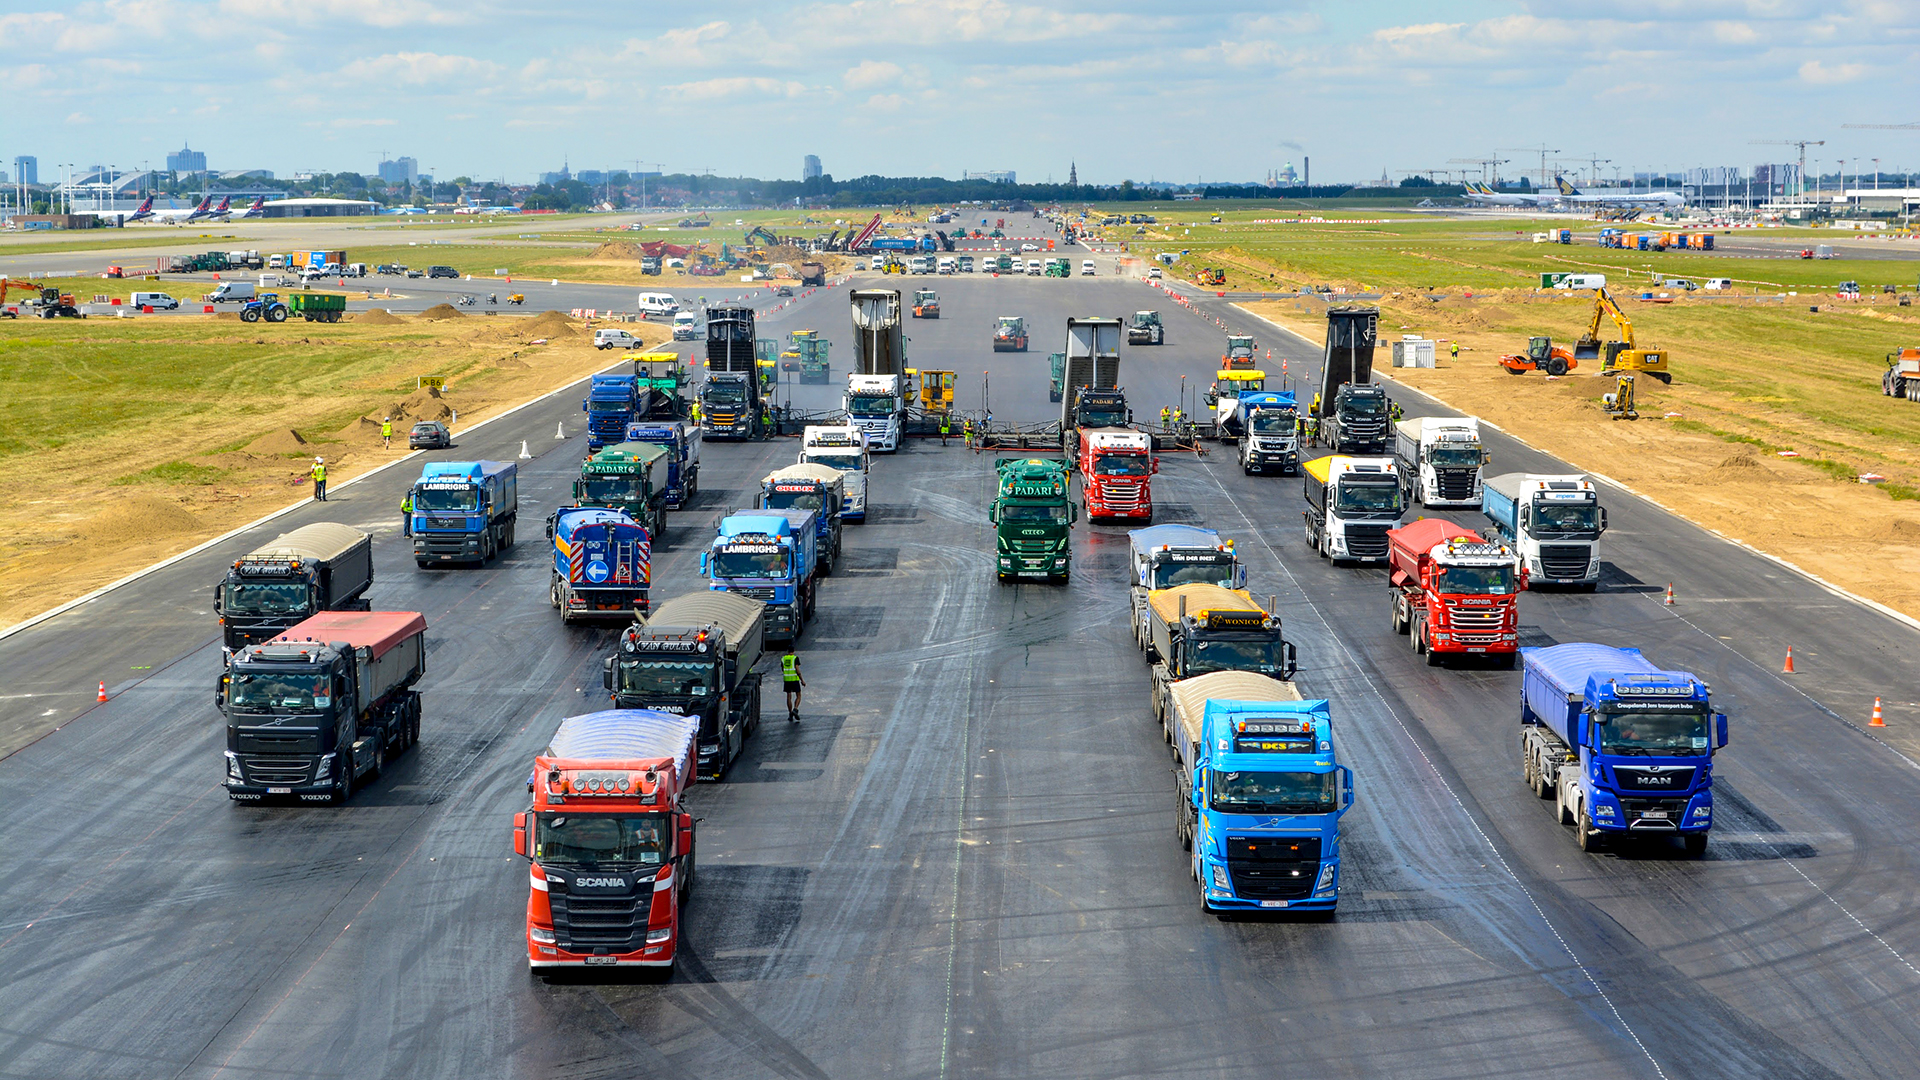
x: 963, y: 861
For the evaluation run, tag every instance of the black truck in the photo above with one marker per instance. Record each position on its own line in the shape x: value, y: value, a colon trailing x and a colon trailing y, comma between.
x: 1351, y: 414
x: 694, y: 655
x: 730, y: 401
x: 318, y: 567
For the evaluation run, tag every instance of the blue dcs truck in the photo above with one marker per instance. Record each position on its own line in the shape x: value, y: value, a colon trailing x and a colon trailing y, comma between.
x: 1622, y: 747
x: 682, y: 441
x: 1261, y: 793
x: 609, y: 407
x: 463, y: 511
x: 769, y: 556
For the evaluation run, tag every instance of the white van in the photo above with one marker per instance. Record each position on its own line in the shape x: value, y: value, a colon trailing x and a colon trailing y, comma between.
x: 235, y: 292
x: 614, y: 338
x: 276, y: 262
x: 1034, y: 267
x: 686, y: 326
x: 1086, y: 267
x: 879, y: 263
x: 158, y: 301
x: 946, y: 264
x: 657, y: 304
x: 1717, y: 284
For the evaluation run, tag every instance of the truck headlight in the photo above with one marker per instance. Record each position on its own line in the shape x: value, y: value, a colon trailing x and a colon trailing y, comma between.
x: 1220, y: 880
x: 1602, y: 810
x: 233, y: 766
x: 1703, y: 811
x: 541, y: 935
x: 654, y: 937
x: 1326, y: 879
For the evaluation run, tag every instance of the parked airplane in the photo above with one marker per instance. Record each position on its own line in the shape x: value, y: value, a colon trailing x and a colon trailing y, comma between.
x: 143, y: 212
x: 1569, y: 193
x: 220, y: 213
x: 1481, y: 193
x: 258, y: 209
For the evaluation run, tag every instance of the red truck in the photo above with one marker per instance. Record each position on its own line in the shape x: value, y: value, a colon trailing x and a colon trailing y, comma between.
x: 1116, y: 473
x: 1454, y: 593
x: 609, y: 841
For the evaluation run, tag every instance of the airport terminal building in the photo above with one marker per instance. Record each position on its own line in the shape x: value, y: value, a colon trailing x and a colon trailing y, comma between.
x: 312, y: 208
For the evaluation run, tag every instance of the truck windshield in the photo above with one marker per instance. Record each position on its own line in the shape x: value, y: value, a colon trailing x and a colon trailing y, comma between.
x: 1101, y: 416
x: 1167, y: 575
x: 769, y: 563
x: 870, y: 404
x: 1263, y: 655
x: 446, y: 498
x: 263, y: 598
x: 601, y: 841
x: 1365, y: 406
x: 843, y: 462
x: 1673, y: 732
x: 1565, y: 519
x: 724, y: 393
x: 1476, y: 580
x: 609, y: 406
x: 1120, y: 464
x: 1271, y: 422
x: 793, y: 500
x: 1454, y: 457
x: 1273, y: 793
x: 675, y: 678
x: 611, y: 488
x: 304, y: 691
x: 1055, y: 514
x: 1368, y: 498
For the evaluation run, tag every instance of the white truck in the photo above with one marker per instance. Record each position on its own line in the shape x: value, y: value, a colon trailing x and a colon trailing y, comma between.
x: 1351, y: 504
x: 1554, y: 522
x: 1440, y: 459
x: 874, y: 405
x: 842, y: 447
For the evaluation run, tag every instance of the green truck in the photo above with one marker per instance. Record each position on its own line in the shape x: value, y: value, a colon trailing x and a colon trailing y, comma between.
x: 629, y: 476
x: 1056, y: 375
x: 1059, y: 268
x: 317, y: 307
x: 1033, y: 519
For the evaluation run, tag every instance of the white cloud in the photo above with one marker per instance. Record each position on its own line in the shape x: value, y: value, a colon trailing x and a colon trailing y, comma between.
x: 420, y: 69
x: 1813, y: 71
x: 733, y: 88
x: 388, y: 14
x: 871, y: 73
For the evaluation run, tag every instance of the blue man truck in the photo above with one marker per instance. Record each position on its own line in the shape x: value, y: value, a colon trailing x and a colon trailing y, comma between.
x: 602, y: 564
x: 1622, y: 747
x: 609, y: 406
x: 464, y: 511
x: 769, y: 556
x: 1261, y: 793
x: 682, y: 442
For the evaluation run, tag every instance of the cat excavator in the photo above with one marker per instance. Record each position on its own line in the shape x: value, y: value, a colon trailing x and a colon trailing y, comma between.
x: 1623, y: 355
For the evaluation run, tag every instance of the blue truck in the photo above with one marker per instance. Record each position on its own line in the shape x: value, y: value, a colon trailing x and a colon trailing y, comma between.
x: 1621, y: 746
x: 1261, y: 793
x: 609, y: 406
x: 769, y: 556
x: 464, y: 511
x: 682, y: 441
x: 602, y: 564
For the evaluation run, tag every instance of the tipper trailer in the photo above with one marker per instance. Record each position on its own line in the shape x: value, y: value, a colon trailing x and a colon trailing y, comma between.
x: 1454, y: 594
x: 1194, y: 629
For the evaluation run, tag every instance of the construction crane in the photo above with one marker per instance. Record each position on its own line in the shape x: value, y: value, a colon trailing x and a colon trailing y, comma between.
x: 1485, y: 164
x: 1884, y: 127
x: 1541, y: 150
x: 1802, y: 144
x: 1594, y: 161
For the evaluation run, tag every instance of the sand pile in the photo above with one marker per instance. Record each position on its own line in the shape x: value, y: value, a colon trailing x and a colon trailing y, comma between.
x: 283, y: 441
x: 422, y: 404
x: 549, y: 324
x: 440, y: 312
x: 138, y: 517
x: 789, y: 254
x: 376, y: 317
x: 621, y: 250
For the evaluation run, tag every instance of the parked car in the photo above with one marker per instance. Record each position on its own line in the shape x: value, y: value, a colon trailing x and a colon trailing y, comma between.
x: 612, y: 337
x: 1029, y: 247
x: 158, y: 301
x: 415, y: 274
x: 1153, y: 272
x: 429, y: 435
x: 442, y: 271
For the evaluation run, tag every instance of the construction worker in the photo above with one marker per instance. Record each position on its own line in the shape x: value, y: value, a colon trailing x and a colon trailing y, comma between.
x: 386, y: 432
x: 1395, y: 412
x: 406, y: 514
x: 946, y: 427
x: 319, y: 473
x: 792, y: 679
x: 693, y: 411
x: 1166, y: 414
x: 1454, y: 350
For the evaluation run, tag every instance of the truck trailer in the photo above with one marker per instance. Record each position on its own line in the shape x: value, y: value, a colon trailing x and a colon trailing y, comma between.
x: 1554, y: 522
x: 316, y: 710
x: 681, y: 440
x: 1440, y: 459
x: 730, y: 400
x: 1351, y: 503
x: 695, y: 655
x: 602, y: 564
x: 1349, y: 412
x: 1454, y: 594
x: 610, y: 842
x: 1622, y: 747
x: 318, y: 567
x: 1091, y: 396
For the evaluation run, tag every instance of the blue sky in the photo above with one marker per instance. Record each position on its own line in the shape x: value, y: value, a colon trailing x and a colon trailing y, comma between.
x: 933, y: 87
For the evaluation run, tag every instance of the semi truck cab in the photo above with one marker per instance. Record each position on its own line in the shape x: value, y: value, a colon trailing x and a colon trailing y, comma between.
x: 464, y: 511
x: 682, y: 442
x: 694, y: 656
x: 1554, y: 522
x: 1116, y: 473
x: 1440, y: 459
x: 1351, y: 504
x: 844, y: 448
x: 767, y: 556
x: 630, y: 477
x: 874, y: 405
x: 609, y: 406
x: 1270, y: 432
x: 1033, y: 520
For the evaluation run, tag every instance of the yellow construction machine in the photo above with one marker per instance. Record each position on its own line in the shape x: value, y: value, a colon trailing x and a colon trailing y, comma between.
x: 936, y: 391
x: 1622, y: 355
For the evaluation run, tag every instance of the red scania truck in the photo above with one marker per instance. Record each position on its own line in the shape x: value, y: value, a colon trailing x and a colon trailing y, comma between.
x: 611, y: 844
x: 1453, y: 592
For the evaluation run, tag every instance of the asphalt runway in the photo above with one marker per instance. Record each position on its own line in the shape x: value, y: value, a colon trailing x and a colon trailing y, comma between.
x: 963, y: 861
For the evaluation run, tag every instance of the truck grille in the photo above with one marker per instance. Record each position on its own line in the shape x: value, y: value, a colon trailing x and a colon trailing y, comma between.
x: 584, y: 923
x: 1120, y: 496
x: 1456, y: 485
x: 762, y: 593
x: 1636, y: 810
x: 269, y: 741
x: 1668, y: 778
x: 1033, y: 547
x: 1476, y: 620
x: 1367, y: 541
x: 276, y: 772
x: 1565, y: 560
x: 1273, y: 867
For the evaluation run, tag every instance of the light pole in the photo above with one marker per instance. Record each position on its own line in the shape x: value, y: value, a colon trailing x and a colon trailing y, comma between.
x: 1876, y: 174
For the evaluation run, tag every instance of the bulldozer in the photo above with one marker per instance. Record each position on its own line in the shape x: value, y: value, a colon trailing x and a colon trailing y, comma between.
x: 1622, y: 355
x: 1541, y: 355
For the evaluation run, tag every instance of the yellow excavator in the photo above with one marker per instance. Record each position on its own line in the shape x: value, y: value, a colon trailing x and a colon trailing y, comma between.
x: 1622, y: 355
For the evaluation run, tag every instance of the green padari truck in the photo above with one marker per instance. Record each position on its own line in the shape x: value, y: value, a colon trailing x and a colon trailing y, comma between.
x: 1033, y: 520
x: 630, y: 476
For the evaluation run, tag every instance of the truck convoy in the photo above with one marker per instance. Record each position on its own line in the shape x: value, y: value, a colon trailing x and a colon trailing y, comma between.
x: 1454, y: 594
x: 313, y: 711
x: 1554, y: 522
x: 1033, y: 520
x: 1196, y: 628
x: 730, y: 401
x: 602, y: 564
x: 610, y: 842
x: 1092, y: 397
x: 631, y: 477
x: 464, y: 511
x: 1261, y: 793
x: 1440, y: 459
x: 1351, y: 503
x: 1269, y: 432
x: 1622, y: 747
x: 1116, y: 474
x: 318, y: 567
x: 1145, y: 329
x: 609, y: 406
x: 1350, y: 413
x: 681, y: 440
x: 842, y: 448
x: 694, y: 655
x: 876, y: 388
x: 1164, y: 556
x: 769, y: 556
x: 818, y: 488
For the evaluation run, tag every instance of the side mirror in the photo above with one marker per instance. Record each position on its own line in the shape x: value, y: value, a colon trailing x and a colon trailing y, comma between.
x: 1719, y: 730
x: 1603, y: 519
x: 1486, y: 457
x: 993, y: 514
x: 1073, y: 513
x: 606, y: 673
x: 1346, y: 789
x: 220, y: 693
x: 1291, y: 660
x: 703, y: 563
x: 520, y: 834
x: 219, y: 598
x: 1156, y: 465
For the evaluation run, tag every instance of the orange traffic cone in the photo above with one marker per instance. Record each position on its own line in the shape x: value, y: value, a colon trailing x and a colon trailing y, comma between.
x: 103, y: 691
x: 1669, y: 594
x: 1878, y: 720
x: 1788, y: 670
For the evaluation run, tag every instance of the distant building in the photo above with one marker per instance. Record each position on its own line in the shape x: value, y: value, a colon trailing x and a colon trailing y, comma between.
x: 565, y: 174
x: 997, y: 176
x: 247, y: 174
x: 591, y: 176
x: 305, y: 208
x: 26, y: 169
x: 1073, y: 174
x: 400, y: 171
x: 810, y: 167
x: 187, y: 161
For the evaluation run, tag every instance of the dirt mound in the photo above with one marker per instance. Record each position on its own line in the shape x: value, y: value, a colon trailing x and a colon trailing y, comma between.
x: 283, y: 441
x: 138, y: 517
x: 789, y: 254
x: 422, y: 404
x: 622, y: 250
x: 1741, y: 460
x: 441, y: 312
x: 376, y: 317
x: 549, y: 324
x: 365, y: 430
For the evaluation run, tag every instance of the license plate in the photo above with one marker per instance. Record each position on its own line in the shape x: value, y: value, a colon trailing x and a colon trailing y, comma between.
x: 1655, y: 814
x: 600, y: 961
x: 279, y: 791
x: 1033, y: 573
x: 1273, y: 903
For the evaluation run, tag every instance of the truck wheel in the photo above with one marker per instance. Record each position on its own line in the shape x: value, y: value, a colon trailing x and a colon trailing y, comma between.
x: 1696, y: 844
x: 1560, y: 809
x: 1399, y: 622
x: 1590, y: 841
x: 379, y: 757
x: 553, y: 592
x: 1182, y: 829
x: 343, y: 784
x: 1556, y: 366
x: 413, y: 724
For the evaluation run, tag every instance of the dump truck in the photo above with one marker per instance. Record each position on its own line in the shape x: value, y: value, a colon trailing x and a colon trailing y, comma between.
x: 681, y: 440
x: 731, y: 401
x: 1269, y: 432
x: 808, y: 486
x: 318, y: 567
x: 1163, y: 556
x: 1116, y: 469
x: 610, y: 842
x: 926, y: 304
x: 316, y: 710
x: 813, y: 273
x: 1349, y: 413
x: 464, y: 511
x: 1145, y: 329
x: 1440, y: 459
x: 879, y: 344
x: 695, y: 655
x: 1033, y: 518
x: 1902, y: 378
x: 842, y: 448
x: 1624, y: 748
x: 1454, y: 593
x: 1554, y: 522
x: 1196, y: 628
x: 631, y: 477
x: 1010, y: 334
x: 1351, y: 503
x: 1091, y: 392
x: 602, y: 564
x: 609, y: 406
x: 1261, y: 793
x: 770, y: 556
